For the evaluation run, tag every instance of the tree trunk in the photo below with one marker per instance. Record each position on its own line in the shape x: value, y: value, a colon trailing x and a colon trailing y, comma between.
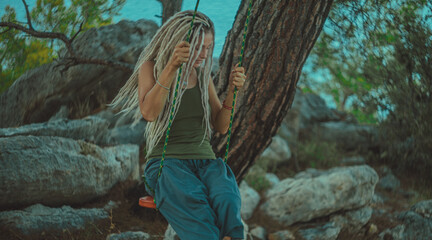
x: 169, y: 8
x: 280, y: 36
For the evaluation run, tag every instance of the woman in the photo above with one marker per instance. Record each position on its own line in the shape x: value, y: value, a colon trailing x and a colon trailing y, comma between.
x: 197, y: 193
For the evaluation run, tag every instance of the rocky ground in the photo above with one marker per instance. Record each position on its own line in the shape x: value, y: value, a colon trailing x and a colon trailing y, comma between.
x: 127, y: 216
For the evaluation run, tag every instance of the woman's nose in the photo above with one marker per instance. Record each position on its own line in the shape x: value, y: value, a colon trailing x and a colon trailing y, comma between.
x: 203, y: 53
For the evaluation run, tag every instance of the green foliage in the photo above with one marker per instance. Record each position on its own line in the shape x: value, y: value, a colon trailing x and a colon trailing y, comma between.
x: 364, y: 117
x: 376, y: 56
x: 256, y: 179
x: 314, y: 153
x: 20, y: 52
x: 405, y: 90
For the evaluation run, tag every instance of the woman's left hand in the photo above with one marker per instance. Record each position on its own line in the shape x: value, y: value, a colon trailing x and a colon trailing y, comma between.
x: 237, y: 78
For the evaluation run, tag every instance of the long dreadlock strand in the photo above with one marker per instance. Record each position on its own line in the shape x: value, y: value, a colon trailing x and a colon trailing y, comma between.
x: 160, y: 50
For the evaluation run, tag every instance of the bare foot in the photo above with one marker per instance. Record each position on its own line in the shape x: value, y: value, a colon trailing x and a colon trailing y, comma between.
x: 226, y: 238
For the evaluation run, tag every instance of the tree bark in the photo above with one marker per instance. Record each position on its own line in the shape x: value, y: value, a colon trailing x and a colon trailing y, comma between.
x: 169, y: 8
x: 280, y: 36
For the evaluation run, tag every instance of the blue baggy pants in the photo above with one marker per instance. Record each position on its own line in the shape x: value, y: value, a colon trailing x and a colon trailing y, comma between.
x: 198, y: 197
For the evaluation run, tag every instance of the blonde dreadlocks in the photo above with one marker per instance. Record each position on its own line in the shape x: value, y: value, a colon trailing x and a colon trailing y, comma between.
x: 160, y: 50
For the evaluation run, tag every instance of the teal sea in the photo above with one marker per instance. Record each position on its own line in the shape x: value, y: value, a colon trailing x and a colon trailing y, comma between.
x: 222, y: 13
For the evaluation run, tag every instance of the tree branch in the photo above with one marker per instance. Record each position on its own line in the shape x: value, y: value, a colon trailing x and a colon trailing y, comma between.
x: 28, y: 15
x: 79, y: 30
x: 73, y: 59
x: 34, y: 33
x: 5, y: 31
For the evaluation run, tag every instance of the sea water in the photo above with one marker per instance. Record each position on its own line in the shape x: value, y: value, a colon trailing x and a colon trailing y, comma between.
x: 221, y: 12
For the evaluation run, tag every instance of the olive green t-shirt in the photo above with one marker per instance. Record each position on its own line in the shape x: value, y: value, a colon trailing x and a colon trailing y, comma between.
x: 187, y: 131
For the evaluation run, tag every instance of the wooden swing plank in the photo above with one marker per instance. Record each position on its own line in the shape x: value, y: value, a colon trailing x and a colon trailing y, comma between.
x: 147, y: 202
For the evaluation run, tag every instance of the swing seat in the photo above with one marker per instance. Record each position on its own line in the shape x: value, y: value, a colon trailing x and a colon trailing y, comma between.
x: 147, y: 202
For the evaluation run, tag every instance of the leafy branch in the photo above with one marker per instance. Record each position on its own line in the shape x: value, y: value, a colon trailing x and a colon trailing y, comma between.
x: 74, y: 58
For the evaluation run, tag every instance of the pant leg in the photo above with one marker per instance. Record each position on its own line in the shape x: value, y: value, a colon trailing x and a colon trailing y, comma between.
x: 182, y: 199
x: 224, y: 197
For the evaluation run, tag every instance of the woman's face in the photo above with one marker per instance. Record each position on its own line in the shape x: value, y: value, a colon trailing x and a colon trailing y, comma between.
x: 208, y: 42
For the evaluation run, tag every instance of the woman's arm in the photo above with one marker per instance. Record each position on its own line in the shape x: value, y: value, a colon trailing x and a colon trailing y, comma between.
x: 220, y: 115
x: 152, y: 95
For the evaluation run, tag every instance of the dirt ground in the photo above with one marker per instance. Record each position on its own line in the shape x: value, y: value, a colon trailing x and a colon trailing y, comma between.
x: 129, y: 216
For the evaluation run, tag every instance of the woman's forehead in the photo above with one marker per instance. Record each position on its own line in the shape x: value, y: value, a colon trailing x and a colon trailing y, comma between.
x: 208, y: 38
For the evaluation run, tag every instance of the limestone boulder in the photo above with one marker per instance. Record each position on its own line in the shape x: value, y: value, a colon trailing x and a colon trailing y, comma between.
x: 41, y: 93
x: 300, y: 200
x: 61, y: 171
x: 86, y: 129
x: 249, y: 200
x: 416, y: 223
x: 38, y: 218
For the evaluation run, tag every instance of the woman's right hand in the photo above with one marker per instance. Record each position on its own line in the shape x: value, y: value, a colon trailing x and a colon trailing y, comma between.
x: 180, y: 55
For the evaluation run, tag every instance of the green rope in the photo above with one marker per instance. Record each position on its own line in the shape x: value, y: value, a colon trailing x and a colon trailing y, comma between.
x: 172, y: 109
x: 235, y: 89
x: 175, y: 97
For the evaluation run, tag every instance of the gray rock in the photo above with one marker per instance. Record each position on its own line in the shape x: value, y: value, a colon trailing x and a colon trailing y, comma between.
x: 312, y: 109
x: 309, y: 173
x: 249, y: 200
x: 277, y: 152
x: 310, y: 117
x: 272, y: 178
x: 108, y: 115
x: 384, y: 170
x: 62, y: 113
x: 246, y: 233
x: 423, y: 208
x: 377, y: 199
x: 87, y: 129
x: 353, y: 220
x: 125, y: 134
x: 282, y: 235
x: 346, y: 135
x: 389, y: 182
x: 307, y: 111
x: 356, y: 160
x: 116, y: 119
x: 124, y: 119
x: 170, y: 234
x: 128, y: 236
x: 416, y: 223
x: 383, y: 212
x: 38, y: 218
x: 121, y: 129
x: 327, y: 232
x: 396, y: 233
x: 40, y: 93
x: 56, y: 171
x: 285, y: 132
x: 259, y: 233
x: 300, y: 200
